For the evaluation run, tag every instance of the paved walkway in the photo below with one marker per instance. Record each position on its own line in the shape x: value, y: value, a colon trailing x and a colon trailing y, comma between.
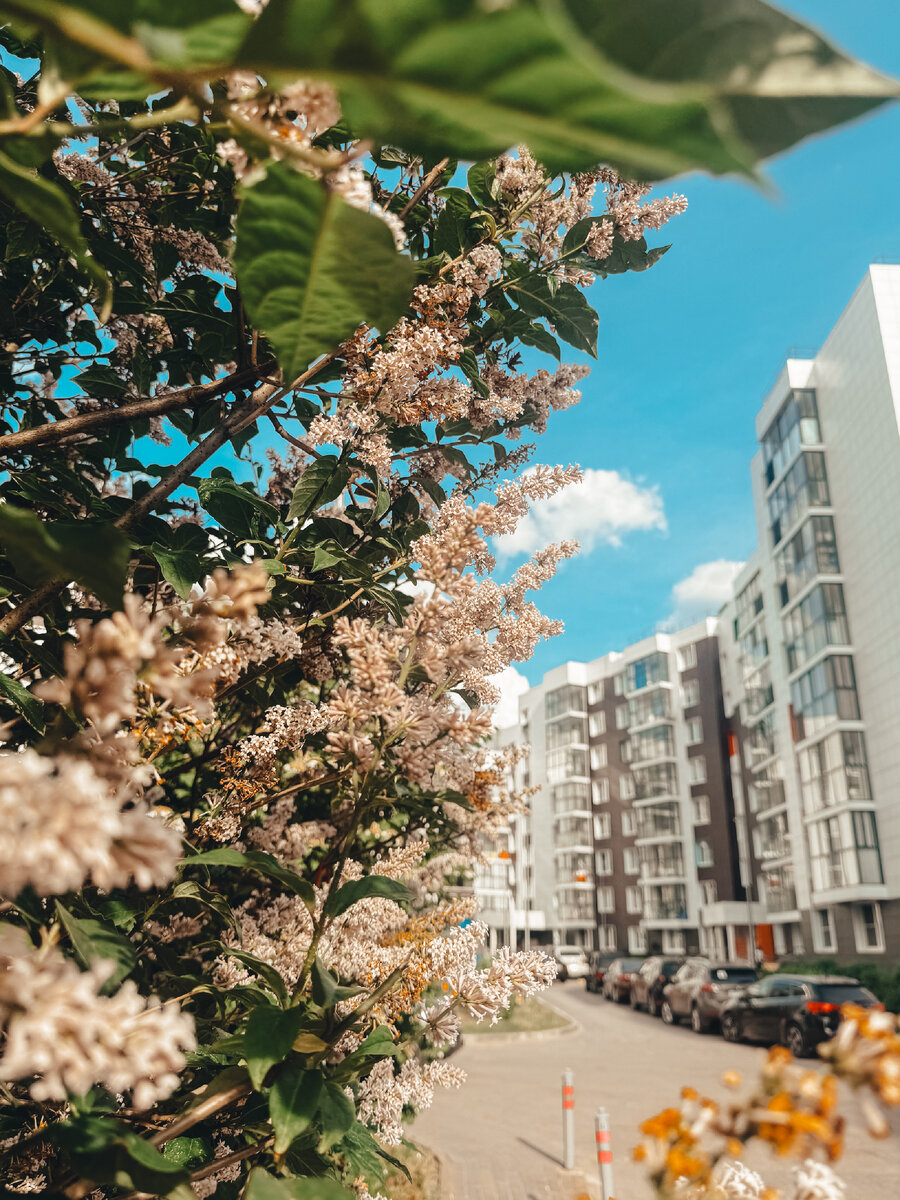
x: 500, y: 1137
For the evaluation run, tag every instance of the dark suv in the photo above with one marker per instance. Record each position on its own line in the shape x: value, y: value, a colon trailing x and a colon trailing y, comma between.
x: 699, y: 991
x: 647, y: 985
x: 617, y: 978
x: 598, y: 961
x: 797, y: 1010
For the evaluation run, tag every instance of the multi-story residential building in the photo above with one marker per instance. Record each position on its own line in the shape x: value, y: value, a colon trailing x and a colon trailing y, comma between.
x: 630, y: 837
x: 811, y: 641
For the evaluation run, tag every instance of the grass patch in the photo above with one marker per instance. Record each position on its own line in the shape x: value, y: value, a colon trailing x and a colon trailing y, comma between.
x: 425, y: 1170
x: 523, y: 1016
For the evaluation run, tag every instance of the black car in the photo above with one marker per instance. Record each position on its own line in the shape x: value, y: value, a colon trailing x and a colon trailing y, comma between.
x: 598, y: 961
x: 799, y: 1011
x: 648, y: 983
x: 617, y: 978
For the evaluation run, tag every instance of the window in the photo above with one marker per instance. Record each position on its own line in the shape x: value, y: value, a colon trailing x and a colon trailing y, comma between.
x: 709, y: 891
x: 565, y: 699
x: 570, y: 797
x: 566, y: 763
x: 823, y: 929
x: 626, y: 787
x: 687, y: 657
x: 819, y: 620
x: 600, y: 791
x: 633, y: 900
x: 598, y: 756
x: 623, y: 715
x: 691, y: 692
x: 625, y: 750
x: 606, y: 938
x: 595, y: 693
x: 619, y: 685
x: 651, y: 783
x: 597, y: 723
x: 604, y: 862
x: 823, y: 695
x: 637, y: 940
x: 602, y: 826
x: 694, y: 731
x: 566, y: 731
x: 632, y: 862
x: 796, y: 425
x: 652, y: 669
x: 648, y: 744
x: 805, y: 486
x: 700, y: 806
x: 628, y: 823
x: 868, y: 928
x: 811, y: 551
x: 673, y: 941
x: 703, y: 855
x: 606, y: 900
x: 748, y: 606
x: 697, y: 769
x: 834, y: 771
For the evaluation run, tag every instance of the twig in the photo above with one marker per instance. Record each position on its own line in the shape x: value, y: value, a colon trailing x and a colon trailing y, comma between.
x: 289, y: 437
x: 425, y: 186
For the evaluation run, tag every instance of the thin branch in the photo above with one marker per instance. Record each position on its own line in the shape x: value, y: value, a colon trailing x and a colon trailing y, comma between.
x: 206, y: 1108
x: 295, y: 441
x: 425, y: 186
x: 55, y: 431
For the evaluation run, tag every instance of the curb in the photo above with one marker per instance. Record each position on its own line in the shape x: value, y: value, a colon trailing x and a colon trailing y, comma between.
x: 539, y: 1035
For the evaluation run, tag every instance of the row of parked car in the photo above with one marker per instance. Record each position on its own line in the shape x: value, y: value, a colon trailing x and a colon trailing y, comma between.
x: 799, y: 1011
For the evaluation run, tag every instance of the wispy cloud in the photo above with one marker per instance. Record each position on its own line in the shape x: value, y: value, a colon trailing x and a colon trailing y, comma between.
x: 512, y: 685
x: 602, y: 507
x: 701, y: 594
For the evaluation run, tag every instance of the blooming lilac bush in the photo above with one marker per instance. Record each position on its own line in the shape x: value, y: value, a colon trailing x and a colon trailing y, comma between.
x: 286, y: 249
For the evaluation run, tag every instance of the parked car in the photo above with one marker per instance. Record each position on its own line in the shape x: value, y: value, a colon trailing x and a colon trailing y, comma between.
x: 700, y: 989
x: 617, y: 978
x: 574, y: 959
x: 598, y: 961
x: 647, y: 985
x: 797, y: 1010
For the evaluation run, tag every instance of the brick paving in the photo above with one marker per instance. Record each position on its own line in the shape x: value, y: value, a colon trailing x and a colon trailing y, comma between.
x: 500, y: 1137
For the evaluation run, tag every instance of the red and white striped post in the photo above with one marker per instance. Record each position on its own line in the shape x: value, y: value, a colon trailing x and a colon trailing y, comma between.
x: 568, y: 1103
x: 604, y: 1154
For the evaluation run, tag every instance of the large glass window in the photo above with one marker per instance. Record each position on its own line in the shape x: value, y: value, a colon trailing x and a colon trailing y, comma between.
x: 658, y: 820
x: 748, y: 606
x: 777, y: 889
x: 824, y: 694
x: 661, y: 860
x: 819, y: 620
x: 656, y: 742
x: 572, y: 831
x: 767, y: 787
x: 667, y: 901
x: 759, y: 741
x: 571, y: 797
x: 574, y: 866
x: 844, y: 851
x: 796, y: 425
x: 811, y: 551
x: 565, y: 699
x: 771, y: 839
x: 834, y: 771
x: 567, y: 731
x: 652, y: 669
x: 658, y: 780
x: 566, y: 764
x: 576, y: 905
x: 758, y: 691
x: 754, y: 646
x: 646, y: 708
x: 804, y: 486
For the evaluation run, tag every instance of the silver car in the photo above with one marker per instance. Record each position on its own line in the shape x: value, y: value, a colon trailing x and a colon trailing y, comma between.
x: 574, y: 960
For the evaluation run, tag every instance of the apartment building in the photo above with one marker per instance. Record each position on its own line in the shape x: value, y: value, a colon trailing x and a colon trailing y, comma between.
x: 810, y: 643
x: 630, y: 840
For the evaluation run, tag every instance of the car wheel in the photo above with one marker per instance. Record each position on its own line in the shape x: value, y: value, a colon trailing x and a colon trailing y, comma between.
x: 668, y: 1014
x: 652, y: 1006
x: 632, y: 1000
x: 731, y: 1028
x: 795, y: 1041
x: 699, y: 1023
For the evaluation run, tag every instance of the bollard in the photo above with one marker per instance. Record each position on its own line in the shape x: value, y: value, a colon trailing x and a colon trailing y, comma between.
x: 604, y: 1154
x: 568, y: 1103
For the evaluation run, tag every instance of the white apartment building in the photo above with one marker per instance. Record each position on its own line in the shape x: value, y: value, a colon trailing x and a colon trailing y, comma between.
x: 810, y: 643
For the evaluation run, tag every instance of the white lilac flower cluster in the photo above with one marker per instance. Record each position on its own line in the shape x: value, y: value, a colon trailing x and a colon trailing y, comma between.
x: 62, y: 1034
x: 384, y: 1094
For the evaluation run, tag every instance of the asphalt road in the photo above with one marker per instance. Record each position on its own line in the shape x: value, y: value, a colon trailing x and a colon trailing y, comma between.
x: 500, y: 1137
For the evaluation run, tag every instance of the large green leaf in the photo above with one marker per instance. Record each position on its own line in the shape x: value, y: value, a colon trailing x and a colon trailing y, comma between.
x: 562, y: 304
x: 770, y: 79
x: 93, y: 553
x: 311, y: 268
x: 262, y: 864
x: 321, y: 482
x: 293, y: 1101
x: 269, y: 1037
x: 93, y: 940
x: 23, y: 701
x: 336, y: 1114
x: 235, y: 507
x: 361, y: 889
x: 263, y: 1186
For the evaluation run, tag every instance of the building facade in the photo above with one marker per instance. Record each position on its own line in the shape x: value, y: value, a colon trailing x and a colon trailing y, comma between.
x: 810, y: 643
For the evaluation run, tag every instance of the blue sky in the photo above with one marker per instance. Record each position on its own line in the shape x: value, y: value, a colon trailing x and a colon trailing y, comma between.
x: 688, y: 350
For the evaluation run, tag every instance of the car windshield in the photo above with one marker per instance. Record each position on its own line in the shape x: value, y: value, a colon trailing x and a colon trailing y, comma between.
x: 670, y: 966
x: 570, y: 952
x: 631, y: 964
x: 842, y: 993
x: 733, y: 974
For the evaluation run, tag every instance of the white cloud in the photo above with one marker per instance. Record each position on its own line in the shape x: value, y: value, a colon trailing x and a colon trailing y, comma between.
x: 512, y: 684
x: 600, y: 508
x: 701, y: 594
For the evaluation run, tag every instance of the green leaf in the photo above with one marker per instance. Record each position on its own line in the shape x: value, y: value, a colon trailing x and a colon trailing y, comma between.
x: 188, y: 1151
x: 769, y: 79
x: 631, y: 255
x: 379, y: 1044
x: 321, y: 482
x: 95, y: 554
x: 264, y: 970
x: 360, y: 889
x: 204, y: 32
x: 262, y: 864
x: 565, y: 308
x: 481, y: 179
x: 96, y: 940
x: 263, y: 1186
x: 336, y: 1114
x: 23, y: 701
x: 235, y: 507
x: 455, y: 230
x: 268, y: 1039
x: 293, y: 1101
x: 49, y: 206
x: 311, y: 268
x: 180, y: 568
x: 106, y: 1152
